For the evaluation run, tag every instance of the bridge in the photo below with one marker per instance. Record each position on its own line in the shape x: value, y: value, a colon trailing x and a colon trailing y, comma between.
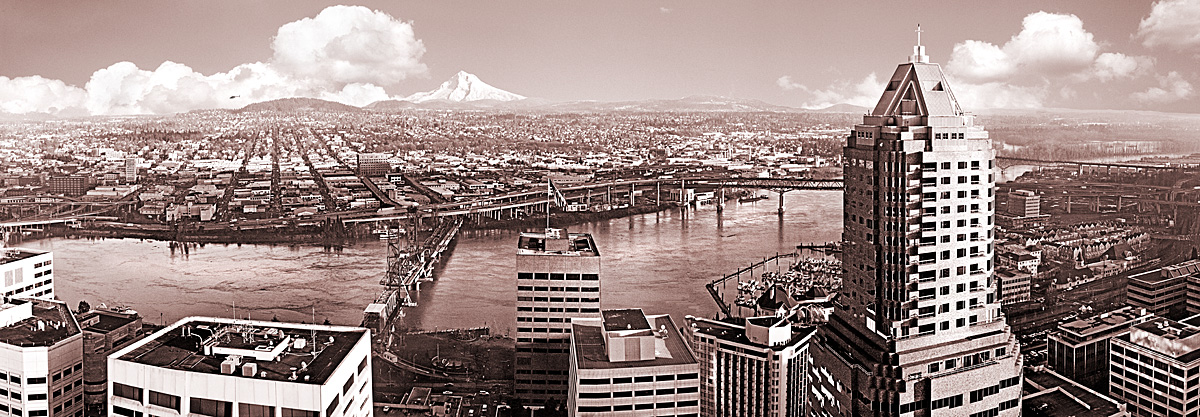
x: 1081, y: 164
x: 508, y: 205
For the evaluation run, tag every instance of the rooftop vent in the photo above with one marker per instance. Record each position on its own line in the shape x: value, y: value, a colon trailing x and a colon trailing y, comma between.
x: 249, y: 369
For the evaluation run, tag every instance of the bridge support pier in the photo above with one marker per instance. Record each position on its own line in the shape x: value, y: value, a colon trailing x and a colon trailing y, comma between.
x: 632, y: 195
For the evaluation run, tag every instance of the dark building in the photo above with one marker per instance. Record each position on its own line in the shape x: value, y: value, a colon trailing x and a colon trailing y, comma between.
x: 69, y: 185
x: 104, y: 331
x: 1078, y: 350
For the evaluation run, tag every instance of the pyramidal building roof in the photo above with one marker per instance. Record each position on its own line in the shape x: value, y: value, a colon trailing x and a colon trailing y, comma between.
x: 917, y: 88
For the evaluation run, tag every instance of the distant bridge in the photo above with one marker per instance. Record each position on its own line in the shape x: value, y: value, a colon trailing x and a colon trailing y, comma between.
x: 1081, y: 164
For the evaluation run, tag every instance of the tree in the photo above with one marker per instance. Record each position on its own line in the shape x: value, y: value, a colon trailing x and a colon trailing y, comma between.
x: 83, y: 307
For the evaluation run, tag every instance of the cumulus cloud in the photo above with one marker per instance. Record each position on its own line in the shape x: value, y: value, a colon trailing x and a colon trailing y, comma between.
x: 862, y: 93
x: 1171, y: 87
x: 1045, y: 62
x: 348, y: 54
x: 1173, y: 24
x: 349, y: 44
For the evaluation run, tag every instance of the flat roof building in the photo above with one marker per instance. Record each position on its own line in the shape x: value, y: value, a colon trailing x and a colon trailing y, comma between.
x: 1155, y: 368
x: 629, y: 363
x: 213, y: 366
x: 27, y: 273
x: 1166, y: 291
x: 1079, y: 349
x: 757, y: 367
x: 41, y: 359
x: 558, y: 279
x: 104, y: 331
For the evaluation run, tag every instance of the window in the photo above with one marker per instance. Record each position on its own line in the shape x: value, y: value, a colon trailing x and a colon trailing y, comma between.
x: 164, y: 400
x: 36, y: 397
x: 207, y: 407
x: 349, y: 383
x: 126, y: 391
x: 255, y: 410
x: 35, y: 381
x: 292, y: 412
x: 121, y: 411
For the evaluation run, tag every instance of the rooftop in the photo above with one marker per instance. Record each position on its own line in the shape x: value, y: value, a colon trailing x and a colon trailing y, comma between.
x: 44, y: 324
x: 736, y: 332
x: 280, y: 351
x: 1101, y: 323
x: 1168, y: 337
x: 1182, y: 269
x: 16, y: 254
x: 101, y: 321
x: 625, y: 319
x: 590, y: 353
x: 557, y: 242
x: 924, y: 85
x: 1064, y: 397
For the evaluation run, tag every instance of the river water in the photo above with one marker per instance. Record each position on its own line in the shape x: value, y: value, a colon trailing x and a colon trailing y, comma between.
x: 657, y: 261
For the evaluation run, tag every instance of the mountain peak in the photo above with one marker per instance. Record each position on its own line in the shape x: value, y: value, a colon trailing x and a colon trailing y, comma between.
x: 463, y: 87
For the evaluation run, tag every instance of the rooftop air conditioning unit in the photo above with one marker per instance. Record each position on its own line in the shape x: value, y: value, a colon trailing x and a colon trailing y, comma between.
x: 249, y: 369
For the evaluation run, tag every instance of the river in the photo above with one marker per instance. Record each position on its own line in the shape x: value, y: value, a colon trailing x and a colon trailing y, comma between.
x: 657, y: 261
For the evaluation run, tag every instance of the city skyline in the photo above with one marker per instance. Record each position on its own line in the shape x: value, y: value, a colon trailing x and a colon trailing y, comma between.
x: 138, y: 58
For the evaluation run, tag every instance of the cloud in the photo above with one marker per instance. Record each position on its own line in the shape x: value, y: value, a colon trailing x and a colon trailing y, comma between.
x: 1046, y: 62
x: 1173, y: 24
x: 1171, y: 88
x: 1112, y: 65
x: 664, y: 10
x: 862, y: 93
x: 1047, y: 45
x: 349, y: 44
x: 785, y: 82
x: 348, y: 54
x: 35, y: 94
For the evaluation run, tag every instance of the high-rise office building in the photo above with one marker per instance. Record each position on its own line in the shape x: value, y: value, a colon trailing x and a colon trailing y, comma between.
x: 558, y: 279
x: 27, y: 273
x: 131, y: 171
x: 917, y: 329
x: 755, y: 368
x: 41, y: 359
x: 631, y: 364
x: 218, y: 367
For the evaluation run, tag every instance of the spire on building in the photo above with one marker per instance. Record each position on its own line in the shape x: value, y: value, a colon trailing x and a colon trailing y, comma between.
x: 918, y: 55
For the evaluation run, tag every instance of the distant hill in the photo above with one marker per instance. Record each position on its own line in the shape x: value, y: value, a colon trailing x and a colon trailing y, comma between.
x: 685, y: 104
x: 299, y: 104
x: 843, y: 108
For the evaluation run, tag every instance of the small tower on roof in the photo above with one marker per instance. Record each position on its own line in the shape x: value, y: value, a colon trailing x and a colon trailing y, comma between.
x: 919, y: 50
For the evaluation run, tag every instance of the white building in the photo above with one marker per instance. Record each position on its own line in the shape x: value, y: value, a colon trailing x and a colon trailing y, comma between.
x: 755, y: 369
x: 630, y: 364
x: 1153, y: 368
x: 41, y: 359
x: 918, y: 328
x: 27, y: 273
x: 558, y: 279
x: 204, y: 366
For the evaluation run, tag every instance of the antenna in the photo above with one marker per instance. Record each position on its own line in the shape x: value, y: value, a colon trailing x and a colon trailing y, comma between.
x: 918, y: 55
x: 918, y: 34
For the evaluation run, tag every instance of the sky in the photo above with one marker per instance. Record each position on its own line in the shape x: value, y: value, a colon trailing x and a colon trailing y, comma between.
x: 67, y: 57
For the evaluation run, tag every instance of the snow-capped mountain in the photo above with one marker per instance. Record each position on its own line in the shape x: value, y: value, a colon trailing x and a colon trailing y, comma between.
x: 464, y: 87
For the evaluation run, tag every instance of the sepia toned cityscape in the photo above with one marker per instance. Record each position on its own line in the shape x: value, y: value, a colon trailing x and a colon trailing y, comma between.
x: 690, y: 209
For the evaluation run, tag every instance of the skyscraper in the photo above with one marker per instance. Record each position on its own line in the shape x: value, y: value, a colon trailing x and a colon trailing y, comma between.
x: 917, y: 329
x: 558, y: 279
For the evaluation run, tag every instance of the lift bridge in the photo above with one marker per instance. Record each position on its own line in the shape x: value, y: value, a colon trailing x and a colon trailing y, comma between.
x: 409, y: 263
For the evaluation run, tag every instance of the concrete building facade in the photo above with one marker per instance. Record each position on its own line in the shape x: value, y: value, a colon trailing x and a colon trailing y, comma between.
x: 757, y: 368
x: 104, y: 331
x: 217, y: 367
x: 41, y: 359
x: 558, y: 279
x: 1155, y: 368
x: 27, y: 273
x: 917, y: 328
x: 630, y: 364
